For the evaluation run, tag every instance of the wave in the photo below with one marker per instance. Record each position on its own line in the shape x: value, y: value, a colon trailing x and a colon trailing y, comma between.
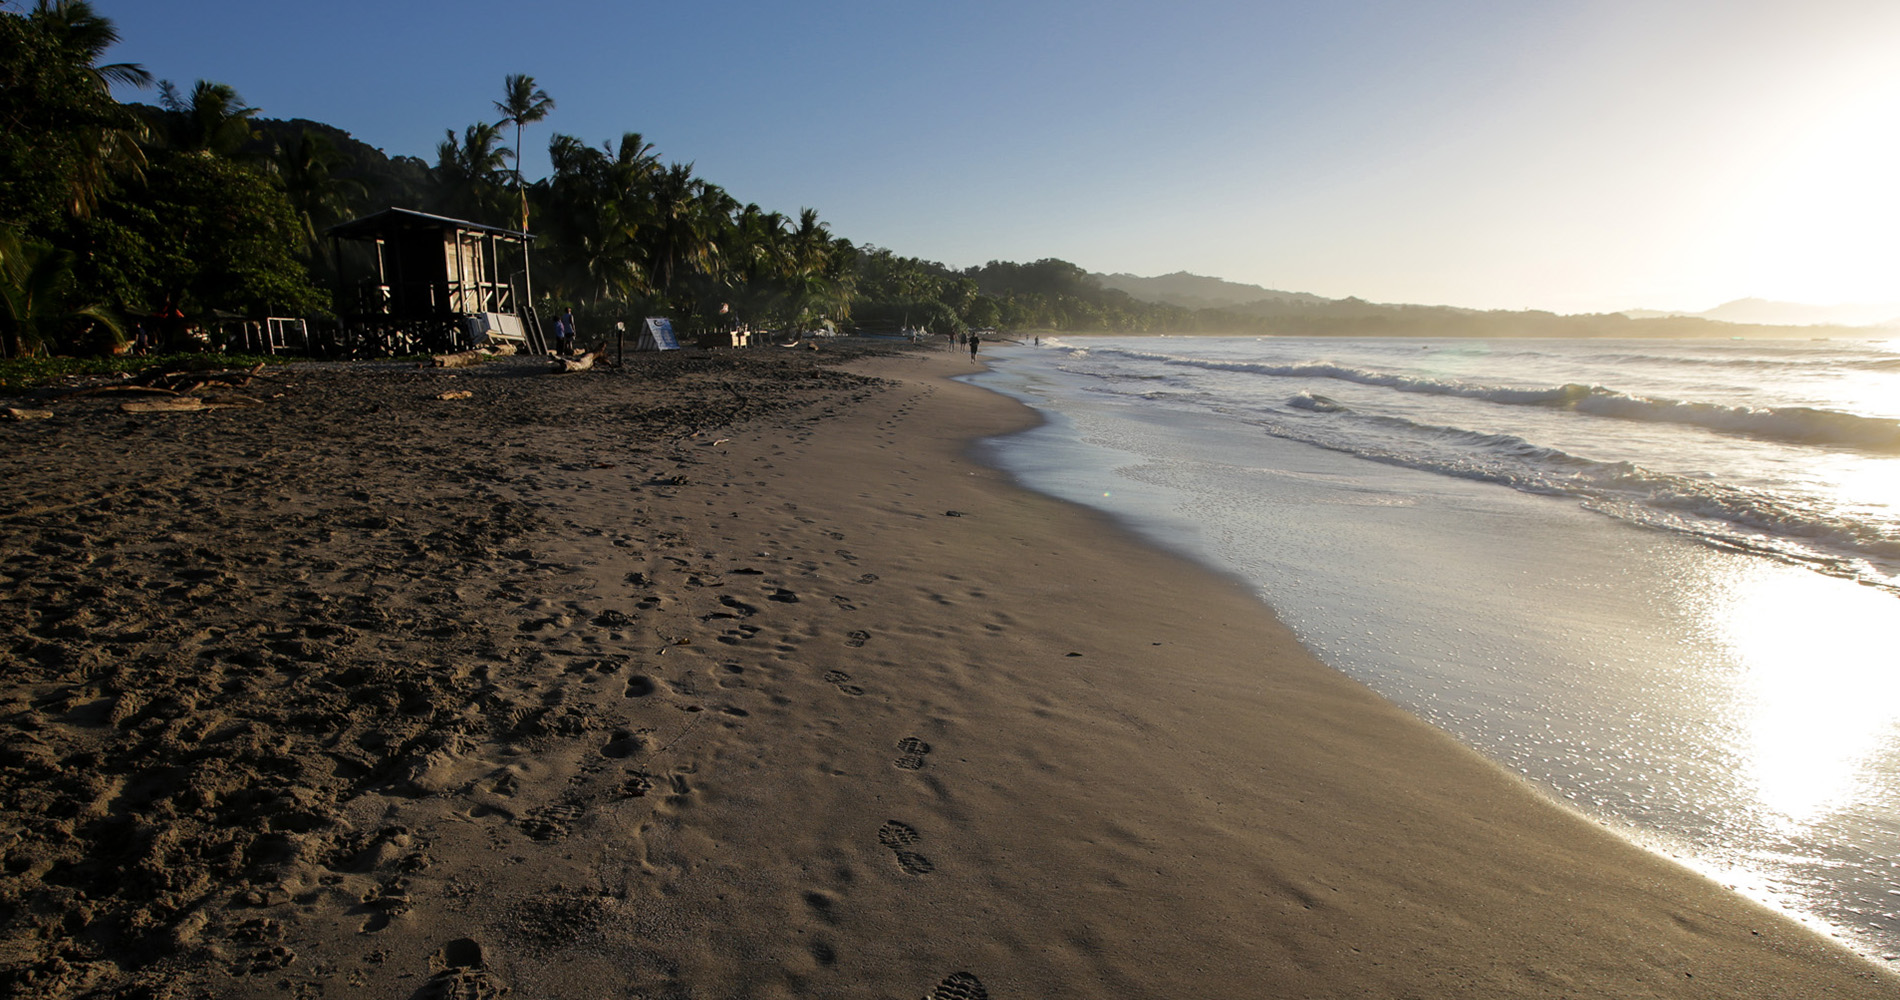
x: 1792, y: 424
x: 1316, y: 403
x: 1788, y: 527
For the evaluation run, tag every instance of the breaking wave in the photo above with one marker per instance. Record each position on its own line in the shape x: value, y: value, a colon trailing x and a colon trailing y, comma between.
x: 1785, y: 526
x: 1795, y: 424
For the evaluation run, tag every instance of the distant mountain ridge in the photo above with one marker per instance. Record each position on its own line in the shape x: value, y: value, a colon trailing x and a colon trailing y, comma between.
x: 1194, y: 291
x: 1763, y: 311
x: 1305, y: 313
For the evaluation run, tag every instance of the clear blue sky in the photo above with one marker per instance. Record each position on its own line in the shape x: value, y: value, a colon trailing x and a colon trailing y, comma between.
x: 1574, y: 156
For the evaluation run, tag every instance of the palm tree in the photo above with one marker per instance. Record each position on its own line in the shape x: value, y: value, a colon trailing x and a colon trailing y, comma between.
x: 522, y: 102
x: 600, y: 215
x: 38, y: 299
x: 85, y: 36
x: 213, y: 119
x: 678, y: 235
x: 105, y: 136
x: 307, y: 170
x: 466, y: 173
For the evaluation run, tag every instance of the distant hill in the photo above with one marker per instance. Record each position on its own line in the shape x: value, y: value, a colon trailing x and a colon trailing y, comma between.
x: 1302, y: 314
x: 1764, y: 312
x: 1194, y: 291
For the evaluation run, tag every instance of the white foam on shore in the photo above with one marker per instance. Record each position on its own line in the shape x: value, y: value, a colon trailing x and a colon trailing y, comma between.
x: 1733, y: 711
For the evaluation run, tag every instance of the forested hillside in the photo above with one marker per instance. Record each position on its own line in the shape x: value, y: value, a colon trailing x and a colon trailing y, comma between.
x: 197, y: 206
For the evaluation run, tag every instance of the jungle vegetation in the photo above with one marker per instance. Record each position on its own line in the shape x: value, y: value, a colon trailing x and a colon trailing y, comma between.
x: 195, y: 206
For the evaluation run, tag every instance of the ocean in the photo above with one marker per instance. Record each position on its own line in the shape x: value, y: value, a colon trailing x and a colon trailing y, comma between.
x: 1658, y: 578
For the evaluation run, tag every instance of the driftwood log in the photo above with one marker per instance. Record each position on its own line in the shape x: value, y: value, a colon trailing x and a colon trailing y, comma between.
x: 460, y: 359
x: 163, y: 404
x: 565, y: 366
x: 476, y: 355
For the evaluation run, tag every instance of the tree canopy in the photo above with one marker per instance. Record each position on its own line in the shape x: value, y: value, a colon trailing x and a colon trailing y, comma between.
x: 199, y: 206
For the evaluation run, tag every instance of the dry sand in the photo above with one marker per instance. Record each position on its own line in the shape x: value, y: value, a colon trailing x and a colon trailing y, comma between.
x: 729, y: 676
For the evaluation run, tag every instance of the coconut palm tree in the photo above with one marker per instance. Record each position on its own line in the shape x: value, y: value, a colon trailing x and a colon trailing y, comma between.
x: 38, y: 299
x: 468, y: 172
x: 522, y: 102
x: 85, y: 36
x: 60, y: 95
x: 213, y: 119
x: 307, y: 169
x: 682, y: 233
x: 599, y: 213
x: 817, y: 270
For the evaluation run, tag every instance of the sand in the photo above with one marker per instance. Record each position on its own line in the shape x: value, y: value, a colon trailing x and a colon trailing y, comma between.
x: 729, y: 676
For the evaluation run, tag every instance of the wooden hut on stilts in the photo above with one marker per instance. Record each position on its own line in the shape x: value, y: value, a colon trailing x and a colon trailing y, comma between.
x: 439, y: 285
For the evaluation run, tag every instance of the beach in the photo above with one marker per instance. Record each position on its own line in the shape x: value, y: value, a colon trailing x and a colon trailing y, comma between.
x: 730, y: 675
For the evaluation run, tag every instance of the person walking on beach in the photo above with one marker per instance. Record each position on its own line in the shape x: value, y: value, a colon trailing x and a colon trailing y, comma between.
x: 974, y: 340
x: 570, y: 335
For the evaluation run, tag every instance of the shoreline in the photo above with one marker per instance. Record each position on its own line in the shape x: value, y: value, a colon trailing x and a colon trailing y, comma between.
x: 562, y: 697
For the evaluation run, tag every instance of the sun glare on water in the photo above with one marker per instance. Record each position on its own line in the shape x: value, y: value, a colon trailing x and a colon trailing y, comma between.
x: 1818, y: 697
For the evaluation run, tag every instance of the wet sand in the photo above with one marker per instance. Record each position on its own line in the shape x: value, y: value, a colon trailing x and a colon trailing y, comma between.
x: 729, y: 676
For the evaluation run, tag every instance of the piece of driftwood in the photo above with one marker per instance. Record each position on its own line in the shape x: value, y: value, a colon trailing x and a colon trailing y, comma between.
x: 565, y: 366
x: 461, y: 359
x: 15, y: 413
x: 456, y: 394
x: 114, y: 390
x: 164, y: 404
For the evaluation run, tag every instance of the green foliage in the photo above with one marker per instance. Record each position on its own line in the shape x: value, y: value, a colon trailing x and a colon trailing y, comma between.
x: 217, y: 236
x: 929, y: 315
x: 470, y: 179
x: 40, y: 306
x: 213, y: 119
x: 64, y: 141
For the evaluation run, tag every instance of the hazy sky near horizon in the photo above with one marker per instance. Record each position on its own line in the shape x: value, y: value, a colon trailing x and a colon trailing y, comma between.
x: 1575, y: 156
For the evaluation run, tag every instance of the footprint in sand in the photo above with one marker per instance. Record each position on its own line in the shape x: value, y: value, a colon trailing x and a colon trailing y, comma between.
x: 843, y: 603
x: 898, y: 837
x: 856, y: 638
x: 460, y: 974
x: 739, y: 634
x: 913, y: 750
x: 551, y: 822
x: 637, y: 785
x: 841, y: 679
x: 735, y: 609
x: 959, y: 986
x: 623, y: 745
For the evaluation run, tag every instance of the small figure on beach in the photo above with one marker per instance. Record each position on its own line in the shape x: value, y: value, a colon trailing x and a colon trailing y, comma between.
x: 974, y: 340
x: 570, y: 334
x: 141, y: 340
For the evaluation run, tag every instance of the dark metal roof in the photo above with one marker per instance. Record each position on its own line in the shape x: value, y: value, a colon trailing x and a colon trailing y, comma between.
x: 393, y: 219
